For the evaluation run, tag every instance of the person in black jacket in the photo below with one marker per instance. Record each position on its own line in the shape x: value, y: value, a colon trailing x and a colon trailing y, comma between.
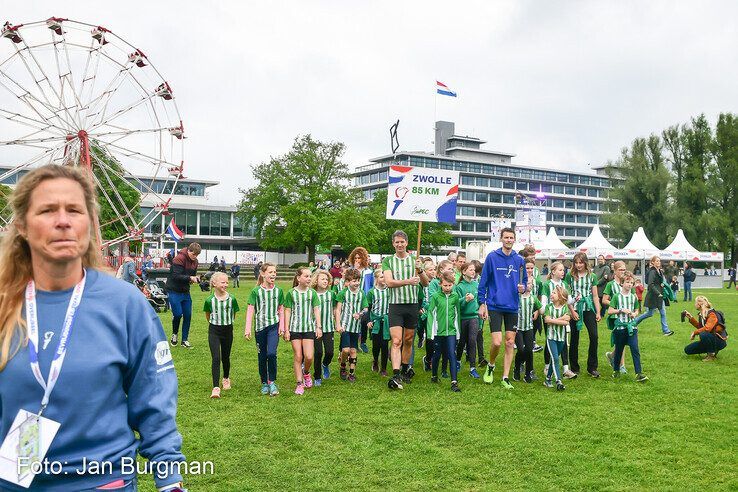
x: 689, y: 277
x: 655, y: 296
x: 182, y: 273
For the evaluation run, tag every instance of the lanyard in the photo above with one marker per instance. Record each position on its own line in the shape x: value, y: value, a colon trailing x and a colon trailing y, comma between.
x: 61, y: 350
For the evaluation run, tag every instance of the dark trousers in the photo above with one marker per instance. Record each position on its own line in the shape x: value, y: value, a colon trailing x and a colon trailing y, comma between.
x: 266, y: 344
x: 524, y: 355
x: 324, y: 348
x: 380, y: 346
x: 480, y: 341
x: 621, y: 340
x: 364, y: 327
x: 538, y: 325
x: 468, y: 340
x: 220, y: 340
x: 181, y: 304
x: 590, y: 322
x: 447, y: 347
x: 731, y: 282
x: 709, y: 343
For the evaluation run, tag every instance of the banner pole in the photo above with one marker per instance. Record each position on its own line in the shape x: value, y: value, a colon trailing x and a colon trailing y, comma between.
x: 420, y: 231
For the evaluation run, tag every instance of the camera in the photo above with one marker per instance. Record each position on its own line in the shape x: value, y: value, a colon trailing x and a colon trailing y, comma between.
x: 683, y: 316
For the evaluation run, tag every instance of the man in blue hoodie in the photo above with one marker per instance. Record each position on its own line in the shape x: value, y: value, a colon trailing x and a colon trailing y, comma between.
x: 503, y: 279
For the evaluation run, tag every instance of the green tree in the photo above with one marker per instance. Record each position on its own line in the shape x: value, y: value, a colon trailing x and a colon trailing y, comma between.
x: 112, y: 190
x: 433, y: 236
x: 723, y: 184
x: 5, y: 211
x: 303, y: 200
x: 640, y: 198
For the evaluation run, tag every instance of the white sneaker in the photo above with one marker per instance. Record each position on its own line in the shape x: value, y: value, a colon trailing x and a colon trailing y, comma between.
x: 569, y: 374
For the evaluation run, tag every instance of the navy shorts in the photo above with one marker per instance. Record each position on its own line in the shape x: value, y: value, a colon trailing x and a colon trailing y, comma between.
x: 349, y: 340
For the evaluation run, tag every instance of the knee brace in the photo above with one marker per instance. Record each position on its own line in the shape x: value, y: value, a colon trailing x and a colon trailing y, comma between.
x: 352, y: 361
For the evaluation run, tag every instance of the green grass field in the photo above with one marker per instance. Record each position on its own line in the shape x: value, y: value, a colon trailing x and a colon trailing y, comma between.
x: 677, y: 431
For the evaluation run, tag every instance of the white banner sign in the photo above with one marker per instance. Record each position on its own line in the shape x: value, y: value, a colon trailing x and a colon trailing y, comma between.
x: 530, y: 225
x: 495, y: 226
x: 422, y: 194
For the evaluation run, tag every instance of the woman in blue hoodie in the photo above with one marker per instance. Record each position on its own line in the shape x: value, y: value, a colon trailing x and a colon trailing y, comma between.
x: 100, y: 374
x: 503, y: 279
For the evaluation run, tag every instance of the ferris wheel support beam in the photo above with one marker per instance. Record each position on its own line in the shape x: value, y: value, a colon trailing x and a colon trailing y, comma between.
x: 84, y: 158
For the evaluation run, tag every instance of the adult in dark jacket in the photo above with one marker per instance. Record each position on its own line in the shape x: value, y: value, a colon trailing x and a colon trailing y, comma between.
x: 655, y: 296
x: 689, y: 277
x: 182, y: 273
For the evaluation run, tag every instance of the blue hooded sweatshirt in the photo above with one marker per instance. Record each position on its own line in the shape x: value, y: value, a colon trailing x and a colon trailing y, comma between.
x: 117, y: 378
x: 498, y: 284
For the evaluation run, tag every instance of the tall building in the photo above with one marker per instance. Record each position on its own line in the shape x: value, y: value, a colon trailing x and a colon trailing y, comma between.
x: 492, y: 186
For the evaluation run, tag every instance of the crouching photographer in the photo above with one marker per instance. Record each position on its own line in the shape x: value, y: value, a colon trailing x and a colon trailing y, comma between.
x: 710, y: 328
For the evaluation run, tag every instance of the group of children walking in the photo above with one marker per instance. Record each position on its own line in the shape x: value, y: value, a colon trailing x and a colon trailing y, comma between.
x: 316, y: 308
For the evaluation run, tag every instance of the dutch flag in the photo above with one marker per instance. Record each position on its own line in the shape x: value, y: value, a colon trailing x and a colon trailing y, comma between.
x: 443, y: 89
x: 174, y: 232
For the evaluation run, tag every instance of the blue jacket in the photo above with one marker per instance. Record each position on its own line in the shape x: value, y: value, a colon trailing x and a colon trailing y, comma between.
x: 117, y: 378
x: 498, y: 284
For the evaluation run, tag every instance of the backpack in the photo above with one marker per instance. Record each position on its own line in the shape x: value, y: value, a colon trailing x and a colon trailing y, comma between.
x: 721, y: 320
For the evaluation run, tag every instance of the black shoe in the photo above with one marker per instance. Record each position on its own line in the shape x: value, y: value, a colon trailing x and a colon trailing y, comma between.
x: 394, y: 383
x: 537, y: 348
x: 668, y: 333
x: 434, y: 379
x: 560, y: 386
x: 483, y: 363
x: 455, y: 387
x: 173, y: 340
x: 595, y: 374
x: 410, y: 372
x: 421, y: 341
x: 405, y: 378
x: 527, y: 378
x: 426, y: 364
x: 516, y: 374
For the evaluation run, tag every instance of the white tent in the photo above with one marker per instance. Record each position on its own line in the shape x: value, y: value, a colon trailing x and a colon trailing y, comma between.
x: 639, y: 241
x: 596, y: 243
x: 680, y: 248
x: 552, y: 246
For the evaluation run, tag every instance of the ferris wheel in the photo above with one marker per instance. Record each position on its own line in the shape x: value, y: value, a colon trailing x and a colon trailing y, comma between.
x: 77, y: 94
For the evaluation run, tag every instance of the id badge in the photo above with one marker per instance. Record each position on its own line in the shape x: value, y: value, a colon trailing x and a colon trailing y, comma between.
x: 29, y: 444
x: 25, y: 447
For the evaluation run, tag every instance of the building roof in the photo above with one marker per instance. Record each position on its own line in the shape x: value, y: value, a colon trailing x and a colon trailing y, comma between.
x: 480, y: 151
x: 466, y: 138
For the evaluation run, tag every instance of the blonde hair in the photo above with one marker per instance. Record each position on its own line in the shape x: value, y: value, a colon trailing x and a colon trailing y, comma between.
x: 443, y: 264
x: 561, y: 291
x: 703, y: 300
x: 15, y: 253
x: 316, y: 275
x: 554, y: 266
x: 216, y: 276
x: 378, y: 272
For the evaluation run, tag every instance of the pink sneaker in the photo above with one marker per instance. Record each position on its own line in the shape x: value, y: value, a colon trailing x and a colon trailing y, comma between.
x: 300, y: 389
x: 215, y: 393
x: 226, y: 383
x: 308, y: 380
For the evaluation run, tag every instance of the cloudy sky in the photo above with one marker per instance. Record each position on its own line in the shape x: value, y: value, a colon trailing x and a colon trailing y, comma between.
x: 562, y: 84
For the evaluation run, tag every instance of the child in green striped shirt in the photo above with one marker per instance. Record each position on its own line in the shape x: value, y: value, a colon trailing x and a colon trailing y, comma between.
x: 556, y: 280
x: 302, y: 317
x: 378, y: 301
x: 351, y: 306
x: 220, y: 310
x: 266, y: 311
x: 324, y: 346
x: 556, y: 318
x: 525, y: 337
x: 624, y: 308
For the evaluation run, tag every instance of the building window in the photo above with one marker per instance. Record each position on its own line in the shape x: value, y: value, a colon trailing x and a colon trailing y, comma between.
x: 558, y: 189
x: 482, y: 212
x: 521, y: 185
x: 467, y: 180
x: 467, y: 226
x: 495, y: 183
x: 593, y: 206
x: 592, y: 219
x: 593, y: 192
x: 482, y: 227
x: 569, y: 204
x: 475, y: 168
x: 581, y: 191
x: 483, y: 182
x: 508, y: 185
x: 466, y: 195
x: 508, y: 198
x: 581, y: 219
x: 466, y: 211
x: 481, y: 197
x: 495, y: 197
x: 383, y: 176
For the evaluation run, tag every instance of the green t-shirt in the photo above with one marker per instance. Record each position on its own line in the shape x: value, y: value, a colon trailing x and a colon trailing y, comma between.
x: 581, y: 285
x: 327, y: 303
x: 266, y: 304
x: 548, y: 286
x: 222, y: 312
x: 443, y: 315
x: 301, y: 304
x: 378, y: 301
x: 351, y: 303
x: 622, y: 301
x: 528, y: 306
x: 611, y: 289
x: 556, y: 332
x: 402, y: 269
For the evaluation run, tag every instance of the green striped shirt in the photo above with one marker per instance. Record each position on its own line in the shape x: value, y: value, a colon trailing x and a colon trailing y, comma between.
x: 402, y: 269
x: 327, y: 303
x: 556, y: 332
x: 528, y: 305
x: 222, y: 312
x: 548, y: 286
x: 581, y: 285
x: 378, y: 299
x: 351, y: 303
x: 612, y: 289
x: 623, y: 301
x: 266, y: 304
x: 301, y: 304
